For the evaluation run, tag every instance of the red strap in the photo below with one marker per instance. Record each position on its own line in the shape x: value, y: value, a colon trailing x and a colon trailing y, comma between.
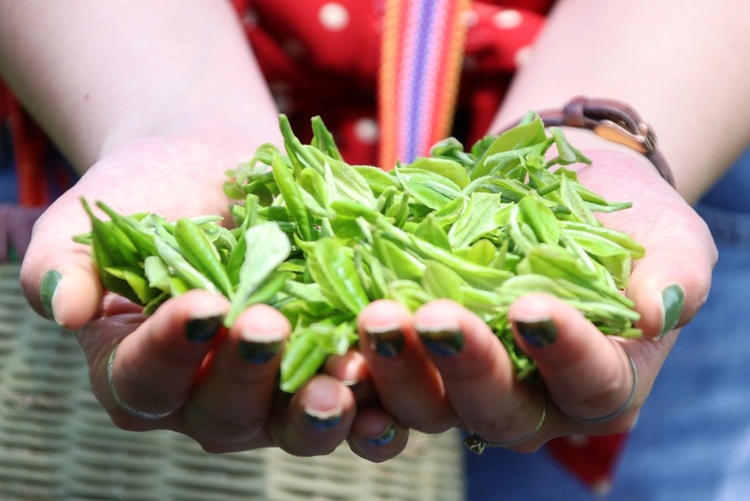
x: 422, y: 47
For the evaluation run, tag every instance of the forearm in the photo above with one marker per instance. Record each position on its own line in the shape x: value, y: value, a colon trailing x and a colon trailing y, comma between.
x: 97, y: 74
x: 676, y: 62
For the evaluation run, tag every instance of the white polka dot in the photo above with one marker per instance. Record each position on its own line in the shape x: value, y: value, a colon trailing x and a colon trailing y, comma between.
x: 578, y: 440
x: 507, y: 19
x: 366, y: 130
x: 471, y: 18
x: 333, y: 16
x: 522, y: 55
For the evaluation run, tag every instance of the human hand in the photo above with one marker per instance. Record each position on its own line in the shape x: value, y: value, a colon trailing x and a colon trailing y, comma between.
x: 180, y: 369
x: 442, y: 367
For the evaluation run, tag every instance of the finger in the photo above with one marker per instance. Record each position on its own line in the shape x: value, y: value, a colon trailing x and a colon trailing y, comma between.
x: 588, y: 375
x: 315, y: 420
x: 58, y: 277
x: 231, y: 401
x: 477, y: 374
x: 672, y: 281
x: 408, y: 385
x: 154, y: 368
x: 351, y: 369
x: 375, y: 436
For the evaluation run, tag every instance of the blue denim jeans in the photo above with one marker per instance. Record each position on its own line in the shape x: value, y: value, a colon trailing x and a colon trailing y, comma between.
x: 692, y: 438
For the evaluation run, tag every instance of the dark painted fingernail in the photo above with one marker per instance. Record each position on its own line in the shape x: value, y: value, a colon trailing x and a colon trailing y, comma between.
x: 384, y: 438
x: 354, y: 385
x: 442, y: 342
x: 47, y: 289
x: 202, y: 329
x: 387, y: 342
x: 537, y: 333
x: 323, y: 421
x: 259, y: 351
x: 673, y: 304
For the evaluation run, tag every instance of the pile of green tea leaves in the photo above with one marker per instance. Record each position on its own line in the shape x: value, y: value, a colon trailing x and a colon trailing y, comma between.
x: 318, y: 239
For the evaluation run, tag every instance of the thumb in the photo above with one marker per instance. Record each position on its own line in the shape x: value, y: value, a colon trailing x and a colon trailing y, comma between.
x: 58, y: 277
x: 671, y: 282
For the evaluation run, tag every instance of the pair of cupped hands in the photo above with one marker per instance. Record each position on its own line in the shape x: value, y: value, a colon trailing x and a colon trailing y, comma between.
x: 431, y: 370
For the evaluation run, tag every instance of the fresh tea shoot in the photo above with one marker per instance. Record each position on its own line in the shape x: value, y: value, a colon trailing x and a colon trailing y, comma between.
x: 318, y: 239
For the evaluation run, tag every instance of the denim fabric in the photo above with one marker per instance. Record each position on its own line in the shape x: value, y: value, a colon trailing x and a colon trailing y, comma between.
x: 692, y: 438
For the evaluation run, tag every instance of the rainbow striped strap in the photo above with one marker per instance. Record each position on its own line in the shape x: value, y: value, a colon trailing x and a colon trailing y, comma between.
x: 421, y: 53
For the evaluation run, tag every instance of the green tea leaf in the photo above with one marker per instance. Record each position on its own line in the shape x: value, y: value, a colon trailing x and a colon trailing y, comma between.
x: 540, y: 218
x: 343, y: 182
x: 508, y: 144
x: 440, y: 281
x: 336, y: 273
x: 199, y: 252
x: 292, y: 196
x: 449, y: 169
x: 137, y: 282
x: 266, y: 248
x: 480, y: 216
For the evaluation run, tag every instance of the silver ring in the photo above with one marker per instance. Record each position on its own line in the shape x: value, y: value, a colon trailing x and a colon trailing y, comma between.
x: 617, y: 413
x: 116, y: 397
x: 477, y: 444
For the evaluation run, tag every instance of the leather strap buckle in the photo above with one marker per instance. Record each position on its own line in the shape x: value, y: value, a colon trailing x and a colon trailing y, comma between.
x: 642, y: 142
x: 614, y: 121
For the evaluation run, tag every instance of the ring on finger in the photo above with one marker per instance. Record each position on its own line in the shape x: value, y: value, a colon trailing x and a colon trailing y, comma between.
x: 477, y: 444
x: 116, y: 397
x: 625, y: 406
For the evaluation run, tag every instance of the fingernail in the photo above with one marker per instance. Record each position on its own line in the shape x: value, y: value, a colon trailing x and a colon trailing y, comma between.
x: 444, y: 342
x: 323, y: 420
x: 384, y: 438
x: 673, y: 304
x: 47, y: 289
x: 258, y: 350
x: 386, y: 342
x: 353, y: 384
x: 202, y: 329
x: 537, y: 333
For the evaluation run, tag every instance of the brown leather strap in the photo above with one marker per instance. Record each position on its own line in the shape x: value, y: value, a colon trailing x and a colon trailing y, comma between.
x: 612, y: 120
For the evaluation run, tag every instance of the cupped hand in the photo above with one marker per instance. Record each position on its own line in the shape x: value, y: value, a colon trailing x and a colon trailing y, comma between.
x: 442, y: 367
x: 181, y: 369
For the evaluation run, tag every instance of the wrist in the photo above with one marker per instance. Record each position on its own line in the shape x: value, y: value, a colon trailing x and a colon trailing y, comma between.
x: 615, y: 122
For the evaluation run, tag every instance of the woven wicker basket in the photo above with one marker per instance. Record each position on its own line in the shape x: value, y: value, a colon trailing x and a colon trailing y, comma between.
x: 57, y: 443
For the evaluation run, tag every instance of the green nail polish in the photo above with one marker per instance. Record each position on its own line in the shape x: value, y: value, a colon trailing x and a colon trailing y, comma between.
x: 259, y: 352
x: 323, y: 421
x: 673, y: 304
x: 202, y: 329
x: 47, y: 289
x: 537, y: 333
x: 442, y: 342
x: 384, y: 438
x: 386, y: 342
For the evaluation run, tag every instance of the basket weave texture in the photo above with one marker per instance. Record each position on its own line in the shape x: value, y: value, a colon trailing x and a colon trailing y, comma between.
x: 57, y: 443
